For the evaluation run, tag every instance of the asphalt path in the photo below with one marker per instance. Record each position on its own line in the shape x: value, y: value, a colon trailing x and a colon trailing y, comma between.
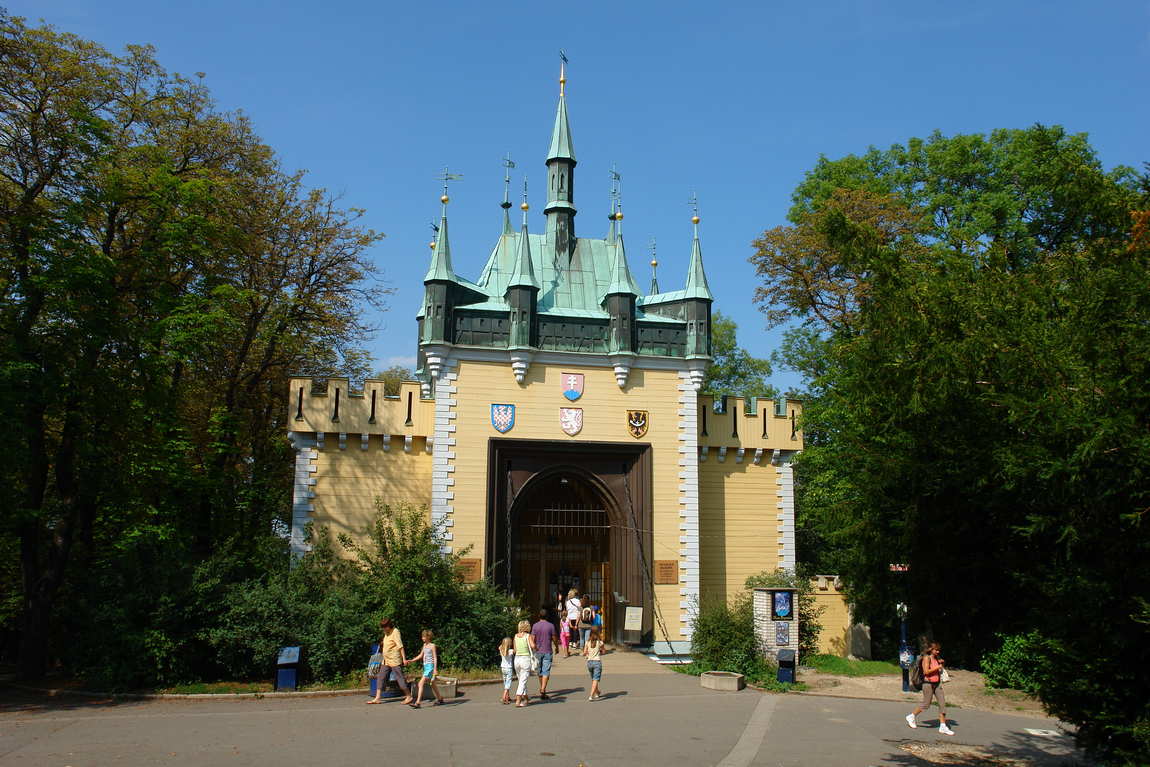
x: 648, y: 716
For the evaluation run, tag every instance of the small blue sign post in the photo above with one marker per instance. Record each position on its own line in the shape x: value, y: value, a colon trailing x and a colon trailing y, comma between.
x: 287, y: 669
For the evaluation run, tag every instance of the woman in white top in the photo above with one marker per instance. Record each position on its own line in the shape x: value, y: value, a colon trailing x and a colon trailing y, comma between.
x: 524, y: 645
x: 573, y: 607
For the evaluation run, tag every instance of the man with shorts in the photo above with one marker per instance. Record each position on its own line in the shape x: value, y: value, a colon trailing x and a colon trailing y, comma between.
x: 546, y: 644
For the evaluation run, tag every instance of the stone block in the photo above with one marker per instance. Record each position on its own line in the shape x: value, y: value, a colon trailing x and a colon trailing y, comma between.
x: 722, y: 680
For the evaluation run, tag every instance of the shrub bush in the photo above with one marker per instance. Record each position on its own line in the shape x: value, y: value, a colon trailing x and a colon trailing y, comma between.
x: 331, y: 604
x: 1013, y: 664
x: 724, y: 640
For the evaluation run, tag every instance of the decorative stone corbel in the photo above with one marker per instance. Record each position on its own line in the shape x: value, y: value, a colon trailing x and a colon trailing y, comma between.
x: 703, y: 452
x: 739, y: 455
x: 521, y: 363
x: 428, y: 444
x: 386, y: 443
x: 319, y: 435
x: 343, y: 440
x: 622, y: 364
x: 722, y: 454
x: 775, y: 454
x: 697, y: 367
x: 363, y: 441
x: 758, y: 456
x: 407, y: 439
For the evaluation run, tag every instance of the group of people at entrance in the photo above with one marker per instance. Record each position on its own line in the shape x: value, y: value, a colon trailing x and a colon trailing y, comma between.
x: 532, y: 651
x: 576, y: 618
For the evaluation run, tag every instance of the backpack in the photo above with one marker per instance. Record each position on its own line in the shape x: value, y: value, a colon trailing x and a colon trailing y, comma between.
x: 587, y: 617
x: 916, y: 674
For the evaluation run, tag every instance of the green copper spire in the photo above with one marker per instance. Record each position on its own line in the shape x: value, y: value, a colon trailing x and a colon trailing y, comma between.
x: 621, y: 279
x: 561, y: 146
x: 696, y: 278
x: 523, y: 273
x: 440, y: 268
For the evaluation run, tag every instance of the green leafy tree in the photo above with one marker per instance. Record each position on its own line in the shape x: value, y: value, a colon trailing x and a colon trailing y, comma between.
x: 973, y: 410
x: 160, y: 277
x: 734, y: 372
x: 393, y: 377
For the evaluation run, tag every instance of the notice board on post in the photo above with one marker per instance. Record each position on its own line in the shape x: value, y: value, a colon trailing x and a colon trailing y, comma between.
x: 666, y: 572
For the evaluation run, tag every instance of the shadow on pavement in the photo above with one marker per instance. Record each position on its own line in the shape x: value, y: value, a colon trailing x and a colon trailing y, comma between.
x: 1013, y: 750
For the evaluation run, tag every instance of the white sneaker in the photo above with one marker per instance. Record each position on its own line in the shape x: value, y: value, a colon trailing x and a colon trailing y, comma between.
x: 945, y: 730
x: 910, y: 722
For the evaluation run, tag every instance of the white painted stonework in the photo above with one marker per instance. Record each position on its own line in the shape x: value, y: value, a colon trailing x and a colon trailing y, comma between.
x: 786, y: 512
x: 443, y: 451
x: 688, y: 501
x: 303, y: 489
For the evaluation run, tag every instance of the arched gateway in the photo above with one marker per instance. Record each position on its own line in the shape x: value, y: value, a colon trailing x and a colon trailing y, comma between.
x: 556, y: 431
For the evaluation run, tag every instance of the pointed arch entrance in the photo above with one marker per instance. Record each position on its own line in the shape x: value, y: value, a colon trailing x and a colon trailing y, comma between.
x: 567, y: 515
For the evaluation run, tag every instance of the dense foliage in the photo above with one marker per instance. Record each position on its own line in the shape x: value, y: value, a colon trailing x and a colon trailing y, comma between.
x: 1012, y: 665
x: 723, y: 639
x: 733, y: 372
x: 331, y: 603
x: 160, y: 276
x: 974, y: 324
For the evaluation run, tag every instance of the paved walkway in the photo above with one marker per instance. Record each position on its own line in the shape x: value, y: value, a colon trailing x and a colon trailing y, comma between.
x: 649, y: 715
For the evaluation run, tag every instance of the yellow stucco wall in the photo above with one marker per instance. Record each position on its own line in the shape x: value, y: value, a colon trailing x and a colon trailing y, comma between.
x: 538, y: 400
x: 349, y: 481
x: 835, y: 637
x: 738, y: 523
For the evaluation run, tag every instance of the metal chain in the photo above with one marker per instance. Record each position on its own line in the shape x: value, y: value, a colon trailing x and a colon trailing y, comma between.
x: 643, y: 562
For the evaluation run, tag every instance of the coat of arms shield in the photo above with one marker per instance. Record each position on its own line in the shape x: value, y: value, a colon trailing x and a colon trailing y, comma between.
x: 572, y: 385
x: 571, y: 420
x: 637, y: 422
x: 502, y: 417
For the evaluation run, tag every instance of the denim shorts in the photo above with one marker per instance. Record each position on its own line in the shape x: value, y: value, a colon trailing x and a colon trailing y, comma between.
x: 595, y: 668
x: 508, y: 675
x: 545, y: 664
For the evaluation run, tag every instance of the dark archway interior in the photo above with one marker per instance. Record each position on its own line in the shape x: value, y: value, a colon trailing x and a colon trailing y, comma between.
x: 562, y: 541
x: 573, y: 515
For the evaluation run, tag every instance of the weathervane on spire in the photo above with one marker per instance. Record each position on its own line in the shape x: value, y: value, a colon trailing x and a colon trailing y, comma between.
x: 508, y: 164
x: 694, y: 203
x: 615, y: 180
x: 562, y: 70
x: 654, y: 269
x: 447, y: 177
x: 524, y: 206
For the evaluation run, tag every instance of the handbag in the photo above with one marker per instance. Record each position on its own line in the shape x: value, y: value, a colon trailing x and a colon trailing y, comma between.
x: 534, y: 663
x: 943, y: 677
x: 374, y: 663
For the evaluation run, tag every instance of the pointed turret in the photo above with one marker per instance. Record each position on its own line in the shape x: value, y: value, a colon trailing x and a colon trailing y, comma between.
x: 621, y: 280
x: 698, y: 304
x: 696, y: 278
x: 440, y: 268
x: 560, y: 210
x: 522, y: 296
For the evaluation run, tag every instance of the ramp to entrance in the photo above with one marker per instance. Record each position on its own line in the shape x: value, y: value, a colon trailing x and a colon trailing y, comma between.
x: 618, y: 660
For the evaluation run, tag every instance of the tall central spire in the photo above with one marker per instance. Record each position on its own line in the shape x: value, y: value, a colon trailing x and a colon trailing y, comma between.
x: 560, y: 210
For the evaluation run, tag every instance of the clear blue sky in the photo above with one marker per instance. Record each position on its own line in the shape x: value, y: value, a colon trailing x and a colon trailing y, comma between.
x: 733, y: 100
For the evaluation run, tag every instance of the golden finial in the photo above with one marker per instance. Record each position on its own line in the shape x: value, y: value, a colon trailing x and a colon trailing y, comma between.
x: 694, y: 203
x: 431, y: 245
x: 562, y: 71
x: 654, y: 262
x: 619, y: 216
x: 444, y: 199
x: 446, y: 177
x: 695, y: 219
x: 524, y: 206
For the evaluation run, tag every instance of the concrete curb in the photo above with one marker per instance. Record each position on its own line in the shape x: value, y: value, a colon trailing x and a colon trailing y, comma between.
x: 57, y: 693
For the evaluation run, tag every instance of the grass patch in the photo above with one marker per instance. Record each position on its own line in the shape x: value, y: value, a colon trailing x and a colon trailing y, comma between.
x: 833, y: 664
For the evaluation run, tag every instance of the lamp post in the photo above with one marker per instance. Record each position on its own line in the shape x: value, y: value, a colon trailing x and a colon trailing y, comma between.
x: 905, y: 656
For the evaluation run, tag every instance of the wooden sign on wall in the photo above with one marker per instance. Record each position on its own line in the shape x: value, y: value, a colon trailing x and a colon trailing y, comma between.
x: 666, y: 572
x: 471, y: 570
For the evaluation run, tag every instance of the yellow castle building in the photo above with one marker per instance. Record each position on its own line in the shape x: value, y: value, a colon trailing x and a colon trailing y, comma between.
x: 557, y: 432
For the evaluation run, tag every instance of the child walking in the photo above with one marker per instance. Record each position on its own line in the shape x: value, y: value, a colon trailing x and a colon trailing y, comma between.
x: 507, y: 666
x: 592, y: 651
x: 430, y: 656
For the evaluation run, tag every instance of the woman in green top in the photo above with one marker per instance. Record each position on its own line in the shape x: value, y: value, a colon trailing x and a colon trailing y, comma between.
x: 524, y: 645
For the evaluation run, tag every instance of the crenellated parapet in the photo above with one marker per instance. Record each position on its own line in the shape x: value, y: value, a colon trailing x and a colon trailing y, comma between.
x: 332, y: 407
x: 754, y: 429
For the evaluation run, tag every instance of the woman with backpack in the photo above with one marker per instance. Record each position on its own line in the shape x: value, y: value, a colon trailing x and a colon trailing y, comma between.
x: 931, y: 669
